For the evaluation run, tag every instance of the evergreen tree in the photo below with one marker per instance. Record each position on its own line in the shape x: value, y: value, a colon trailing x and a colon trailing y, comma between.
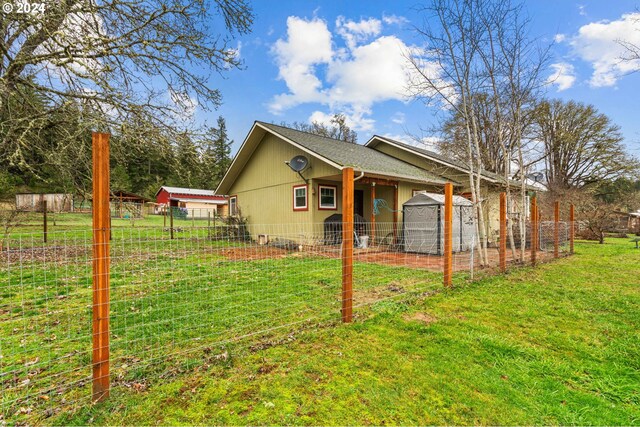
x: 221, y: 152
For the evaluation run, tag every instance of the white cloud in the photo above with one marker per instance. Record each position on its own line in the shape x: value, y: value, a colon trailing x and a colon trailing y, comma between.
x: 582, y: 10
x: 398, y: 118
x: 563, y: 76
x: 426, y: 142
x: 357, y: 32
x: 599, y: 44
x: 559, y: 38
x: 394, y: 20
x: 308, y: 44
x: 371, y: 69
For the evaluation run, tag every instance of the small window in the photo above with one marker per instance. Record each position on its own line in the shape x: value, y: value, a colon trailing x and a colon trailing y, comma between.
x: 327, y: 197
x: 233, y: 205
x: 300, y: 198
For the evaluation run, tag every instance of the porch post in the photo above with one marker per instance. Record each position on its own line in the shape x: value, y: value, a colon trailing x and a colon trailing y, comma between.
x: 395, y: 213
x: 347, y: 244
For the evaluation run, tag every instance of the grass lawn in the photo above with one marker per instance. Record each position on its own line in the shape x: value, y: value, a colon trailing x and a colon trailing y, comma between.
x: 559, y: 344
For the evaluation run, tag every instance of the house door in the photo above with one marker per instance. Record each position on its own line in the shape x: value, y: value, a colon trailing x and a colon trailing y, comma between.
x: 358, y: 202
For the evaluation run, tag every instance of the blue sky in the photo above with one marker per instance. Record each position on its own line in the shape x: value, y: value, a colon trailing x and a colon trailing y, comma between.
x: 306, y: 60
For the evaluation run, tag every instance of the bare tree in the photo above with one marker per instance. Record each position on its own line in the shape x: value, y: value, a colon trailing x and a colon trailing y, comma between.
x: 481, y: 65
x: 337, y: 128
x: 581, y: 146
x: 447, y: 73
x: 113, y: 57
x: 513, y: 63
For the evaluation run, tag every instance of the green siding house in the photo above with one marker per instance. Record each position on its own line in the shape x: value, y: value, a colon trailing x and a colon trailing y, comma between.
x: 278, y: 201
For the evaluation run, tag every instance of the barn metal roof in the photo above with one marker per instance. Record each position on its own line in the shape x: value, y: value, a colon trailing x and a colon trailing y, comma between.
x: 220, y: 201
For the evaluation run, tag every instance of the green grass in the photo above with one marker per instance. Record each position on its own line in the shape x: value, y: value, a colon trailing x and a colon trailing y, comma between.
x: 559, y: 344
x: 199, y: 338
x: 172, y: 301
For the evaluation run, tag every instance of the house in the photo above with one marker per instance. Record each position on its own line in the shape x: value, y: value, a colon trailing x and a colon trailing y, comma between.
x: 491, y: 183
x: 291, y: 181
x: 198, y: 203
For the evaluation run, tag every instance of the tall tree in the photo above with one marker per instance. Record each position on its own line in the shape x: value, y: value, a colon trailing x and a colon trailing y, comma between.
x: 480, y: 63
x: 581, y: 146
x: 188, y: 168
x: 216, y: 154
x: 114, y: 57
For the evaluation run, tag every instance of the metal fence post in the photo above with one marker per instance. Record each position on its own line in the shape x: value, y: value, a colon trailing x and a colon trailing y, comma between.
x: 534, y: 230
x: 347, y: 245
x: 101, y: 231
x: 171, y: 220
x: 448, y: 233
x: 503, y: 232
x: 44, y: 220
x: 572, y: 227
x: 556, y: 230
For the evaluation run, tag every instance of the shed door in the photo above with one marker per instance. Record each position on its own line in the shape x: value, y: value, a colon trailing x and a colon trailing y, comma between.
x: 467, y: 228
x: 421, y: 229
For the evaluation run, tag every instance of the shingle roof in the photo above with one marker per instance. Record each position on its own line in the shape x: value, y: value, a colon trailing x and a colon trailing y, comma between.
x: 439, y: 157
x: 357, y: 156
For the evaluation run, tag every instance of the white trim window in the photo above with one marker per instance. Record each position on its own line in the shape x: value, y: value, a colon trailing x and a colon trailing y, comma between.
x: 300, y: 198
x: 327, y: 195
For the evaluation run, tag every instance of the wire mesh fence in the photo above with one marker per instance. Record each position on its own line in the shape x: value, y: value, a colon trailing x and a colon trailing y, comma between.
x: 180, y: 300
x: 171, y: 300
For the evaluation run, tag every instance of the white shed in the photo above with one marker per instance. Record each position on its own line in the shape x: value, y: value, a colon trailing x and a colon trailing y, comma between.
x: 423, y: 224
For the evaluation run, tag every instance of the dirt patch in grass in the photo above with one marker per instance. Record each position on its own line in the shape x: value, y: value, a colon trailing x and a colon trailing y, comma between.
x: 44, y: 254
x: 425, y: 318
x: 252, y: 253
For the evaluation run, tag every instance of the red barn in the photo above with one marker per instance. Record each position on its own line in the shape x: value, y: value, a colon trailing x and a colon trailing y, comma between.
x: 197, y: 202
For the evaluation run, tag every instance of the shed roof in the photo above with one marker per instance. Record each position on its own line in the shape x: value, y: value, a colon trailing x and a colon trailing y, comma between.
x: 427, y: 199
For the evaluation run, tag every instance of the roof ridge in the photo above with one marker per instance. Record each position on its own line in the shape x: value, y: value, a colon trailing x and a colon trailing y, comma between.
x: 310, y: 133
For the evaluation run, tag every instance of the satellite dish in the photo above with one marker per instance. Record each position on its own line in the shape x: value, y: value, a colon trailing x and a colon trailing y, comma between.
x: 298, y: 163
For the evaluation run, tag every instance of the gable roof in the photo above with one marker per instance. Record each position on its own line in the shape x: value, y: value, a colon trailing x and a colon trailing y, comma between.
x: 432, y: 155
x: 337, y: 153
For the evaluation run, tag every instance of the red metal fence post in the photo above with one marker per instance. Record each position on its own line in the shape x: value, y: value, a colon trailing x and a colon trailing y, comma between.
x: 101, y: 232
x: 448, y: 233
x: 503, y: 232
x: 347, y: 245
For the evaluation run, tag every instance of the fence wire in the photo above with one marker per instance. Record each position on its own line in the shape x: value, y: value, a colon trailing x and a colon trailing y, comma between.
x: 179, y: 301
